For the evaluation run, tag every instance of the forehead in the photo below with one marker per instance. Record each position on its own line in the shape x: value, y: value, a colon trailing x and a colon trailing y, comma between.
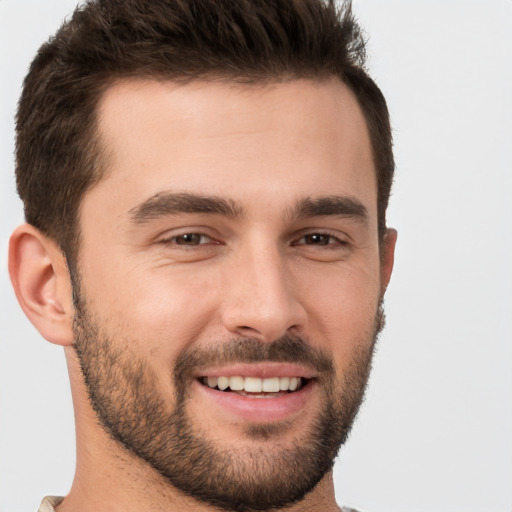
x: 278, y: 142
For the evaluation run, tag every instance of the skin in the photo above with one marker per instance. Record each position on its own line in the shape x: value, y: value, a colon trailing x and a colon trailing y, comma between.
x: 257, y: 274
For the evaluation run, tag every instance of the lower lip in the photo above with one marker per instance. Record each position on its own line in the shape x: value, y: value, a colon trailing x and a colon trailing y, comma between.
x: 259, y: 410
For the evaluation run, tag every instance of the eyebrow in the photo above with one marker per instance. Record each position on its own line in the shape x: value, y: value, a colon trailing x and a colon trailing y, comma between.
x: 339, y: 206
x: 169, y: 203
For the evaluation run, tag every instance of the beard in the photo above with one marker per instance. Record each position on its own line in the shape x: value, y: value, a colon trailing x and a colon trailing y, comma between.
x: 127, y: 397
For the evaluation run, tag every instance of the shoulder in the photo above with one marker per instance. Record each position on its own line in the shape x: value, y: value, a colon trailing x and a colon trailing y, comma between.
x: 50, y: 502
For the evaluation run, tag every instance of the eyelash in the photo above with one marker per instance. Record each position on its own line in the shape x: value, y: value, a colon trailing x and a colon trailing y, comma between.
x: 330, y: 238
x: 173, y: 239
x: 322, y: 236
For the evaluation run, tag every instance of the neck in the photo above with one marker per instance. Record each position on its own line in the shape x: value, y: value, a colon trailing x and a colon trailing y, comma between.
x: 132, y: 488
x: 108, y: 477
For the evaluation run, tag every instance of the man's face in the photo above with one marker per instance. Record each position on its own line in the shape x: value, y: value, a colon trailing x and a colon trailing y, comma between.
x: 233, y: 242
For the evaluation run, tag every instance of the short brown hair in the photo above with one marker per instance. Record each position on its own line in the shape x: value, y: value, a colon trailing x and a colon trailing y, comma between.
x: 58, y: 154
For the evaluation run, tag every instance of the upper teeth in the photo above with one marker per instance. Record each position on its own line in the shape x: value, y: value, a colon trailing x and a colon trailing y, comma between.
x: 254, y: 384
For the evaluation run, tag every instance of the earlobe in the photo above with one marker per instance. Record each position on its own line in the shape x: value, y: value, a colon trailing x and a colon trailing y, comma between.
x: 40, y: 278
x: 387, y: 257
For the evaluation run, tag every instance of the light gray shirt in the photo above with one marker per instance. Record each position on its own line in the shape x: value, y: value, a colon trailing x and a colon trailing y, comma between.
x: 50, y: 502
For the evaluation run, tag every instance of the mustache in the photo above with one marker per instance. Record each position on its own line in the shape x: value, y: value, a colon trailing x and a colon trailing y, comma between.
x: 287, y: 349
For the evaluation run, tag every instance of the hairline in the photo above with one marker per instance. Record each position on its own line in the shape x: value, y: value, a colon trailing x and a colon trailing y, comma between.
x: 102, y: 157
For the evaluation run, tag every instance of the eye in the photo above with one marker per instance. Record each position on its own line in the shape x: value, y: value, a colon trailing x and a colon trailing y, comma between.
x: 319, y: 240
x: 188, y: 239
x: 316, y: 239
x: 323, y: 246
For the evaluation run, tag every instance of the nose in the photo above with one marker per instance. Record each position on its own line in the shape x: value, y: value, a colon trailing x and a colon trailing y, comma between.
x: 261, y: 297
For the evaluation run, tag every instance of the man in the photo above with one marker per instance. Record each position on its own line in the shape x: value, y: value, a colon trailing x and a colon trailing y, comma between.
x: 205, y: 187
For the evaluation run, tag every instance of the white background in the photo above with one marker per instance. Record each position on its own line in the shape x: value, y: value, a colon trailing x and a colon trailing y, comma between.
x: 435, y: 433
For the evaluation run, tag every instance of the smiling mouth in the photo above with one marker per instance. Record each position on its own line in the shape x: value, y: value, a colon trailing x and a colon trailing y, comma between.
x: 254, y: 386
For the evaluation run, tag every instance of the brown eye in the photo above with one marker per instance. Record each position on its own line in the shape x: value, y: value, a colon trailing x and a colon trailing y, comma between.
x: 317, y: 239
x: 190, y: 239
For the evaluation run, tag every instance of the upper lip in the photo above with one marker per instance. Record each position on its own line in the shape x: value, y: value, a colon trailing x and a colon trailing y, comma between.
x: 262, y: 370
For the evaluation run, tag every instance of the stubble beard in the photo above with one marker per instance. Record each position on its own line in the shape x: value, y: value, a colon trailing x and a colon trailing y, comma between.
x: 124, y: 392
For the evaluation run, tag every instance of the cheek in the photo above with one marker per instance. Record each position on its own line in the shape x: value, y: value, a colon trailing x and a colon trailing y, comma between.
x: 342, y: 308
x: 161, y: 310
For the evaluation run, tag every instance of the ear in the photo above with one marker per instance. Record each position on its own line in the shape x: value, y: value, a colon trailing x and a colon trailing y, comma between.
x: 40, y: 277
x: 387, y: 258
